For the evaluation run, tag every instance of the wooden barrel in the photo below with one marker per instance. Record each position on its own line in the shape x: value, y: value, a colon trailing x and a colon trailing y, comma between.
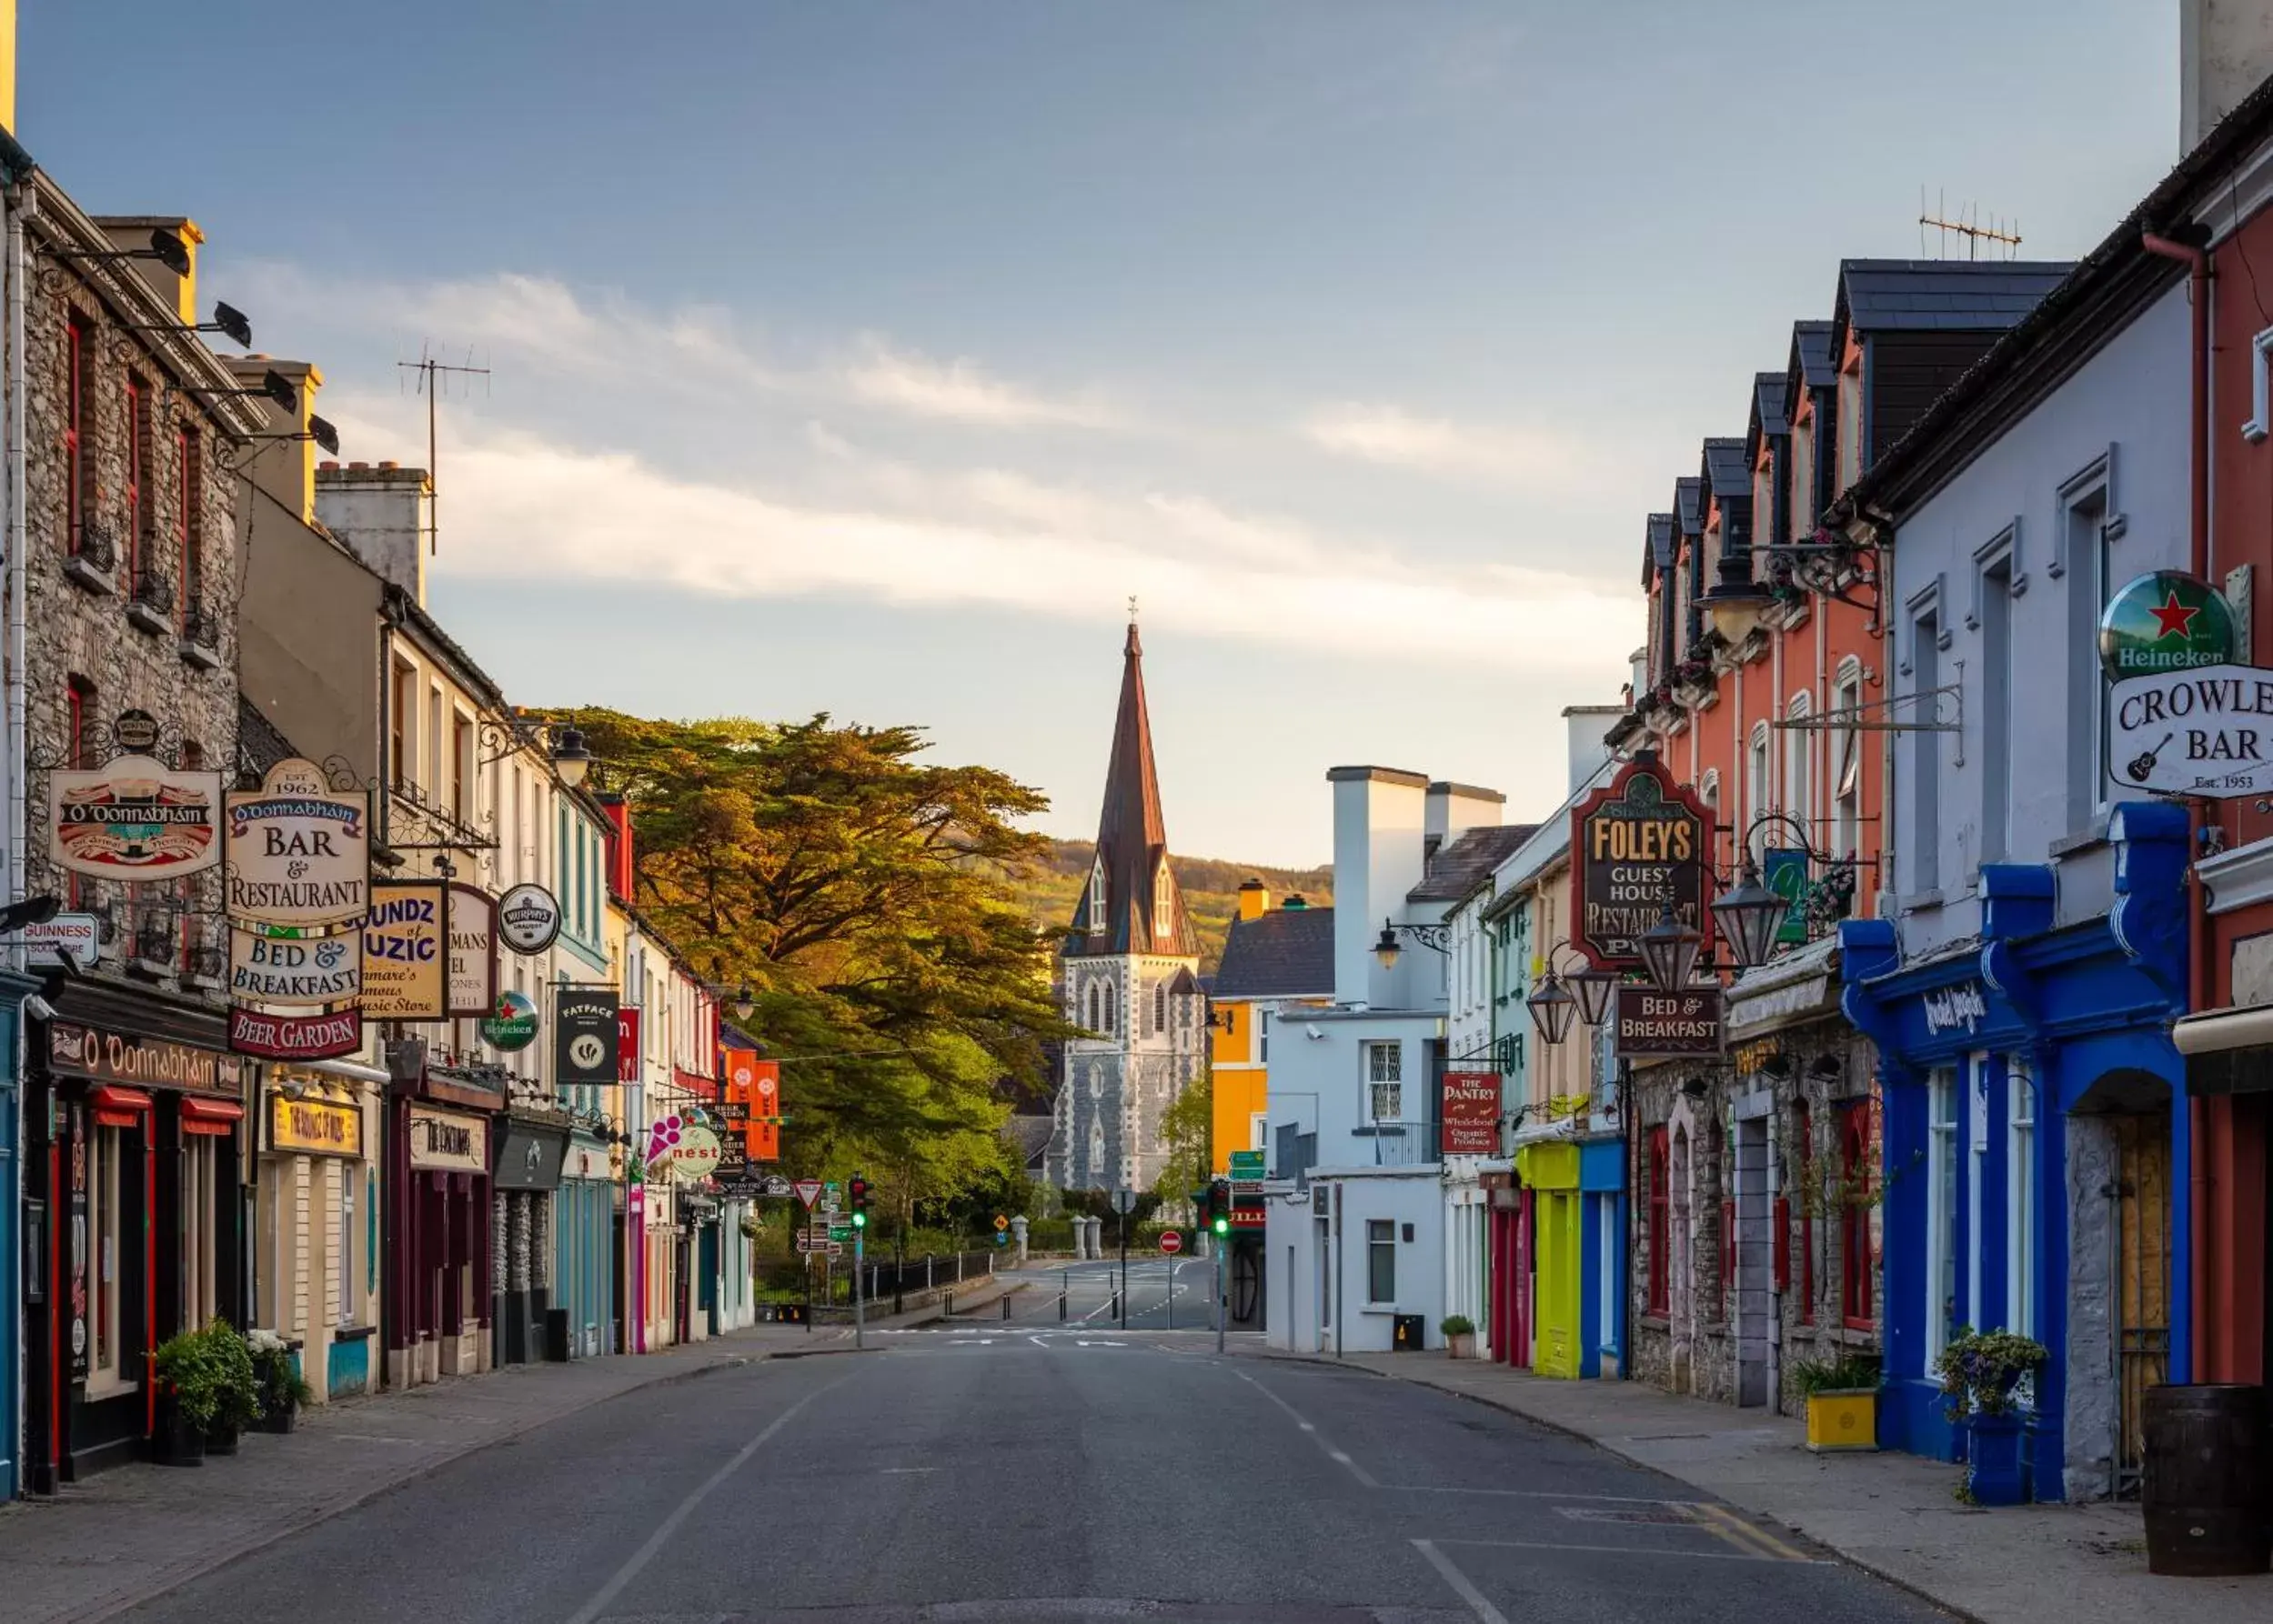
x: 2208, y: 1488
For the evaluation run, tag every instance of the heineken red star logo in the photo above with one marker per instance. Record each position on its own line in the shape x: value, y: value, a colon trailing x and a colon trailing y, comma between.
x: 2172, y: 617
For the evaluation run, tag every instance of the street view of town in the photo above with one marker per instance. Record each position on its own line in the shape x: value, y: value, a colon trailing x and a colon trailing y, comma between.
x: 605, y: 617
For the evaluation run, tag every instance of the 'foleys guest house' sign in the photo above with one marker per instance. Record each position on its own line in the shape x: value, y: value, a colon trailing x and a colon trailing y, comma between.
x: 1638, y: 847
x: 132, y: 819
x: 405, y: 953
x: 299, y: 852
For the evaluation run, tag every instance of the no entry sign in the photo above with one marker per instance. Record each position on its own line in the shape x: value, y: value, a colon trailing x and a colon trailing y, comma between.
x: 1170, y: 1242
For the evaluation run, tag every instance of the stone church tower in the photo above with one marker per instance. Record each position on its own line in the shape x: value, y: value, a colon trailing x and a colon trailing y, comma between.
x: 1129, y: 972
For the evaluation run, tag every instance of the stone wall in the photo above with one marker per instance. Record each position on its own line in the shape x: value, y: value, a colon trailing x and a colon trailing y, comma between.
x: 1748, y: 1100
x: 85, y: 629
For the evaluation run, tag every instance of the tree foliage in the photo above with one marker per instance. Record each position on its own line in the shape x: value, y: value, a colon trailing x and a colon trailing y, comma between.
x: 1188, y: 1134
x: 859, y: 893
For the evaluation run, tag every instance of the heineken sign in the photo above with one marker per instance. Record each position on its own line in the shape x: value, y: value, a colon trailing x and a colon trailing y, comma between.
x: 1638, y: 847
x: 2165, y: 620
x: 512, y: 1023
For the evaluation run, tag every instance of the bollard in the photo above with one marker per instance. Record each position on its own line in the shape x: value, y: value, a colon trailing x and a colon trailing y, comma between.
x: 1006, y: 1305
x: 1018, y: 1231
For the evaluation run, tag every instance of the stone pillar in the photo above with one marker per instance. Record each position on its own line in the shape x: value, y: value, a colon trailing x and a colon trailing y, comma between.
x: 1018, y: 1234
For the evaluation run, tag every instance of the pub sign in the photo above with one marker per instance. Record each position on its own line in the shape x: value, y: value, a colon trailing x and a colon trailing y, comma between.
x: 1637, y: 845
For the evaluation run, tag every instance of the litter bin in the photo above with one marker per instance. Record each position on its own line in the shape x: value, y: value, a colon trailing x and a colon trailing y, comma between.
x: 2209, y: 1488
x: 1407, y: 1333
x: 556, y: 1335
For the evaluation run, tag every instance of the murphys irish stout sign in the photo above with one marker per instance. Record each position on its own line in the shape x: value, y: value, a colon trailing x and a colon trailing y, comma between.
x: 299, y: 852
x: 1638, y: 847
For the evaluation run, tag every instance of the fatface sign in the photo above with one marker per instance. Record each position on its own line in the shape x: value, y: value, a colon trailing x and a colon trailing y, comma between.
x: 528, y: 920
x: 404, y: 953
x: 295, y: 1036
x: 449, y: 1141
x: 2205, y: 730
x: 1667, y: 1025
x: 267, y: 969
x: 2165, y: 621
x: 314, y: 1126
x: 473, y: 951
x: 1472, y: 1114
x: 1637, y: 846
x: 299, y: 852
x: 584, y: 1037
x: 132, y: 819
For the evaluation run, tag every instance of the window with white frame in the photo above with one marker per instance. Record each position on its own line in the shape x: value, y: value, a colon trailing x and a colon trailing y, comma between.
x: 1799, y: 762
x: 1756, y: 788
x: 1258, y: 1129
x: 107, y: 1184
x: 1941, y: 1210
x: 2021, y: 1197
x: 1977, y: 1165
x: 1384, y: 1081
x: 1097, y: 895
x: 1710, y: 790
x: 2084, y: 557
x: 1380, y: 1261
x: 201, y: 1296
x: 1263, y: 1041
x: 1164, y: 902
x: 1846, y: 760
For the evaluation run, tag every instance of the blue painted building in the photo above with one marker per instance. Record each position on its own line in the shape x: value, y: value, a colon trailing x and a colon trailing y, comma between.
x: 2035, y: 1133
x: 2028, y: 956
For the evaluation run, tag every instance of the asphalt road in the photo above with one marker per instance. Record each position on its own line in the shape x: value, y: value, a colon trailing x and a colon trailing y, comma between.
x: 976, y: 1474
x: 1164, y: 1293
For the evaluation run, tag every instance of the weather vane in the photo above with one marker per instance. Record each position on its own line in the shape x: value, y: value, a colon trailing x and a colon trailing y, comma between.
x: 1132, y: 608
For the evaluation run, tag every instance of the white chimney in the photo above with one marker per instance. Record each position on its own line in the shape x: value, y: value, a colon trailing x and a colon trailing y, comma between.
x: 1452, y: 808
x: 1380, y: 819
x: 381, y: 513
x: 2224, y: 51
x: 1587, y: 725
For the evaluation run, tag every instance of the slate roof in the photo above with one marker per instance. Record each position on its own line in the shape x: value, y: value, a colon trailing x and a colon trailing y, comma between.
x: 1285, y: 953
x: 1689, y: 505
x: 1768, y: 416
x: 1725, y: 466
x: 259, y: 746
x: 1812, y: 360
x: 1459, y: 868
x: 1658, y: 551
x: 1955, y: 296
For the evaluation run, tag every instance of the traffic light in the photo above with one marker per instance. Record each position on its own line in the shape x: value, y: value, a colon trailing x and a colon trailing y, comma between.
x: 1220, y: 1206
x: 857, y: 1192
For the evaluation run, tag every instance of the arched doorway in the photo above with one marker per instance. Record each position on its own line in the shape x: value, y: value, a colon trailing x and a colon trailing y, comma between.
x: 2118, y: 1145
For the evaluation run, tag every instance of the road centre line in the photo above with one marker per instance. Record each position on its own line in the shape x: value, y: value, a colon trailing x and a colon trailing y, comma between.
x: 640, y: 1558
x: 1477, y: 1602
x: 1364, y: 1478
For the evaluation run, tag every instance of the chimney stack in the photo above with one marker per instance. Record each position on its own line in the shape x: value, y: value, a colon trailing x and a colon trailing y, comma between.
x: 1587, y: 725
x: 381, y: 515
x: 2224, y: 51
x: 1255, y: 900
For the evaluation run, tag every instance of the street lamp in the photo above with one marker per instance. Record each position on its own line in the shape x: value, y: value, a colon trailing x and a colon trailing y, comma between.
x: 1669, y: 951
x: 744, y: 1002
x: 1749, y: 914
x: 1552, y: 1008
x: 1436, y: 938
x: 1593, y: 988
x: 571, y: 757
x: 1386, y: 949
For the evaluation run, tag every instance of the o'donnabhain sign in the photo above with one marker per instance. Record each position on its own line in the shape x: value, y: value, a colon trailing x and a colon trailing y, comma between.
x: 2165, y: 620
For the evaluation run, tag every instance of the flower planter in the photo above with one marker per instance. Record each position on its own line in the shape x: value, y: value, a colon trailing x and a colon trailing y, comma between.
x: 173, y: 1442
x: 280, y: 1417
x: 1843, y: 1418
x: 1461, y: 1345
x: 222, y: 1438
x: 1993, y: 1474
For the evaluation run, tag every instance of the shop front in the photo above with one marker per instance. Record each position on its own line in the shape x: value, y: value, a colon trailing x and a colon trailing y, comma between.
x: 531, y: 1144
x: 13, y: 1247
x: 1577, y: 1237
x: 1507, y: 1325
x: 583, y: 1283
x: 316, y: 1253
x: 439, y: 1241
x: 137, y: 1162
x: 2034, y: 1154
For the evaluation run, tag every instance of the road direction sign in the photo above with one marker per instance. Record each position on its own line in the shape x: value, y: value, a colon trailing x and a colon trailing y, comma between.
x: 1247, y: 1164
x: 1246, y: 1186
x: 840, y: 1231
x: 809, y: 1190
x: 1124, y: 1200
x: 1170, y: 1242
x: 1000, y: 1222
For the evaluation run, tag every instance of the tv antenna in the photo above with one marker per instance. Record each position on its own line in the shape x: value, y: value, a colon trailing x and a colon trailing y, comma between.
x: 434, y: 376
x: 1997, y: 234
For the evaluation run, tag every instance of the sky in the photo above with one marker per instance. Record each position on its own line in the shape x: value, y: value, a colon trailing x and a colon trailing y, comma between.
x: 867, y: 357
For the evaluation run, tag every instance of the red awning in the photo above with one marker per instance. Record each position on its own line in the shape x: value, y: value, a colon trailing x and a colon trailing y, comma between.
x: 210, y: 1116
x: 119, y: 1108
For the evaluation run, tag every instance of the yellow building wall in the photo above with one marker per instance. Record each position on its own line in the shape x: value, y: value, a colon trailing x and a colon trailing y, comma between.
x: 1239, y: 1097
x: 1551, y: 1172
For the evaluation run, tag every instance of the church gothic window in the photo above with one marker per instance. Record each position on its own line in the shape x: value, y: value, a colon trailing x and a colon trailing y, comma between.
x: 1097, y: 895
x: 1107, y: 1026
x: 1163, y: 903
x: 1160, y: 1008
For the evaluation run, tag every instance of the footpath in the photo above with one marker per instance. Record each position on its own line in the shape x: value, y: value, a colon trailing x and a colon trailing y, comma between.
x: 123, y: 1537
x: 1894, y: 1515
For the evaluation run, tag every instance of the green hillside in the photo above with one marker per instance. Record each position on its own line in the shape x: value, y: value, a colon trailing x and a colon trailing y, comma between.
x: 1210, y: 888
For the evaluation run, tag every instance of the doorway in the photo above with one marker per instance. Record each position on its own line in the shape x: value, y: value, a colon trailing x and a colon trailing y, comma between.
x: 1755, y: 1301
x: 2142, y: 1242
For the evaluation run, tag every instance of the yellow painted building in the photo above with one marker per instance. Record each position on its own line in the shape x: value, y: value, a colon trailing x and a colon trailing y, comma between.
x: 1274, y: 959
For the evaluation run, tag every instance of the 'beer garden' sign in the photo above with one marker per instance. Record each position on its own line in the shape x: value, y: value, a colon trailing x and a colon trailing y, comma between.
x: 1638, y: 847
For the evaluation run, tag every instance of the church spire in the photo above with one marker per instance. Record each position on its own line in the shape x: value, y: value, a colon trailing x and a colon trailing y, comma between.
x: 1143, y: 911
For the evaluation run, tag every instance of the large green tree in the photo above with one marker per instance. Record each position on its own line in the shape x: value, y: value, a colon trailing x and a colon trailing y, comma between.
x: 860, y: 892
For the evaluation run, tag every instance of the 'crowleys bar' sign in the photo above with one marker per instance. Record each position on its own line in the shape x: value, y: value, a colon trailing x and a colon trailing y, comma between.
x: 1637, y: 846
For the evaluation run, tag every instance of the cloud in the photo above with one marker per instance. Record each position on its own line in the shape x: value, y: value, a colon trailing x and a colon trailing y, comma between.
x: 959, y: 390
x: 1482, y: 454
x: 521, y: 502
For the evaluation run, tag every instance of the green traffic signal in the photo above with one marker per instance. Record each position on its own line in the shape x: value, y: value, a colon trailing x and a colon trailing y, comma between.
x: 1223, y: 1225
x: 860, y: 1220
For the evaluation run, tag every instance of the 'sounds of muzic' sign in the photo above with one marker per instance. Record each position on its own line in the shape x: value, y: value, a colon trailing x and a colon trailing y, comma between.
x: 405, y: 953
x: 1638, y: 847
x: 299, y: 853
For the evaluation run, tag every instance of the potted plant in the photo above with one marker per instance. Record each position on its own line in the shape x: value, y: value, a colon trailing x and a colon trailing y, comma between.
x: 278, y: 1380
x: 237, y: 1405
x: 1460, y: 1336
x: 1842, y: 1398
x: 1981, y: 1373
x: 191, y: 1382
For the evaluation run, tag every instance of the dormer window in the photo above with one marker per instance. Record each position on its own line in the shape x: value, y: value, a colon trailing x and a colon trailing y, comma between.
x: 1097, y: 896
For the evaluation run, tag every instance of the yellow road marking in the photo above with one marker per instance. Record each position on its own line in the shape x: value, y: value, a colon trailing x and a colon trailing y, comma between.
x: 1744, y: 1535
